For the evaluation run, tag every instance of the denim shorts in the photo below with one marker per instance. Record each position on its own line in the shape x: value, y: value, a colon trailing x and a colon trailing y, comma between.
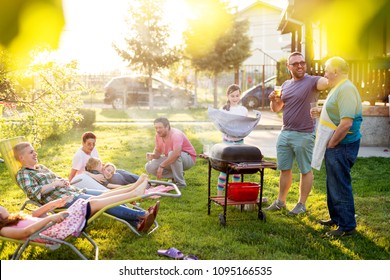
x: 295, y: 145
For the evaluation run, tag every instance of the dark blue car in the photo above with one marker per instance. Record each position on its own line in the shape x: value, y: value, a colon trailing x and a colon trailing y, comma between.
x: 252, y: 98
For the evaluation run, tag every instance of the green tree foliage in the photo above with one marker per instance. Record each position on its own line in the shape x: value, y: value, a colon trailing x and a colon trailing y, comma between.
x: 147, y: 48
x: 41, y: 100
x: 229, y: 51
x: 222, y: 47
x: 282, y: 73
x: 28, y: 24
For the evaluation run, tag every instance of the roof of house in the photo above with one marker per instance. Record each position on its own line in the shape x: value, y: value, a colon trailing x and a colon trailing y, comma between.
x: 255, y: 3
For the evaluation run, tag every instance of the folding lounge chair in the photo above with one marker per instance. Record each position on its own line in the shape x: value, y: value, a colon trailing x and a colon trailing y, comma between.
x: 6, y: 149
x: 48, y: 242
x: 54, y: 244
x: 13, y: 165
x: 129, y: 202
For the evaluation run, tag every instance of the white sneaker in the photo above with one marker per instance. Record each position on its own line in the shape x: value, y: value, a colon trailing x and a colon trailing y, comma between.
x: 275, y: 206
x: 300, y: 208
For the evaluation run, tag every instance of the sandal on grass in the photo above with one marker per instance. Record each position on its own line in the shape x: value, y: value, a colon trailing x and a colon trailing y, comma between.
x: 191, y: 258
x: 171, y: 253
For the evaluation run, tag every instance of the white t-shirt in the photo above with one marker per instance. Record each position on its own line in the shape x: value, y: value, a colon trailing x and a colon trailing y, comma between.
x: 80, y: 159
x: 238, y: 110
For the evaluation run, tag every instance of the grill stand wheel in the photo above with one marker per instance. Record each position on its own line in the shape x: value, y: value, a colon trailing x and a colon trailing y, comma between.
x: 261, y: 215
x: 222, y: 219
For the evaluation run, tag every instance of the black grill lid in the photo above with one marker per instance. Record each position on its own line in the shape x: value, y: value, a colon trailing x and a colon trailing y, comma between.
x: 235, y: 153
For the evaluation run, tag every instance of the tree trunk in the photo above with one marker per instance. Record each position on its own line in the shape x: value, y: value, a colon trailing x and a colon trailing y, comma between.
x: 196, y: 89
x: 216, y: 91
x: 150, y: 90
x: 237, y: 75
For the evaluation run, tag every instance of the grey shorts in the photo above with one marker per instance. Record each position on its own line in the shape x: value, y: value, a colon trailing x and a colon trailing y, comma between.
x: 295, y: 145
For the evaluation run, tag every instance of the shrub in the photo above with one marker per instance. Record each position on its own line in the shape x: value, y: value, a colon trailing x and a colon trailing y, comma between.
x: 88, y: 118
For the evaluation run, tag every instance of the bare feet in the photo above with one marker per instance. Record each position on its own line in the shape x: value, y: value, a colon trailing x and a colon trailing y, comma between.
x: 140, y: 190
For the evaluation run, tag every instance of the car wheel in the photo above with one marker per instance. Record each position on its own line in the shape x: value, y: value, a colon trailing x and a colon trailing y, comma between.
x: 117, y: 103
x: 252, y: 102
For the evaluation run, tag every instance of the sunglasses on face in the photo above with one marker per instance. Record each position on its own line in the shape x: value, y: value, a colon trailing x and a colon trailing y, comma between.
x: 301, y: 63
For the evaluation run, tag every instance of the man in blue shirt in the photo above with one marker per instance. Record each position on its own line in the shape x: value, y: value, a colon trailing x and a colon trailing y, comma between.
x: 296, y: 140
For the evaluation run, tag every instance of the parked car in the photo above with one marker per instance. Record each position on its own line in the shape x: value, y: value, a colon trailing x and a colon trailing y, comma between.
x: 136, y: 88
x: 252, y: 98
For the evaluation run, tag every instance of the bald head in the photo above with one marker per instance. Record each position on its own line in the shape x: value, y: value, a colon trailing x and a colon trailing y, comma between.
x: 337, y: 63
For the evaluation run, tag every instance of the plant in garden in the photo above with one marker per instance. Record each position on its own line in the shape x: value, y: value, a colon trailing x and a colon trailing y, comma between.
x: 45, y: 97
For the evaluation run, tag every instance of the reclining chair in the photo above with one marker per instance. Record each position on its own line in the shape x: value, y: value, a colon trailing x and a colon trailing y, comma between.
x: 6, y: 149
x: 13, y: 165
x: 48, y: 242
x: 53, y: 243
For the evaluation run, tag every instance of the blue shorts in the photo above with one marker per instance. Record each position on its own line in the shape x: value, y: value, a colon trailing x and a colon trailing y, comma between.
x: 295, y: 145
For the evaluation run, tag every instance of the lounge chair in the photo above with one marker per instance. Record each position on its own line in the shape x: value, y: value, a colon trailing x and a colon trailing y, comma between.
x: 13, y: 165
x: 6, y: 149
x: 48, y: 242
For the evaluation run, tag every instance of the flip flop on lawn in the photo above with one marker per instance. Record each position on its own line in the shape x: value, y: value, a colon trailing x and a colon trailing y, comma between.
x: 171, y: 253
x: 191, y: 258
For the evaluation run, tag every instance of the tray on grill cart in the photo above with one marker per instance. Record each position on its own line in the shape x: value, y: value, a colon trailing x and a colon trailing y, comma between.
x: 236, y: 159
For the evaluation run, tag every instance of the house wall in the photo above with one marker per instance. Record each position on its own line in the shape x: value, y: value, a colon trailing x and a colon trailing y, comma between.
x: 263, y: 24
x: 375, y: 127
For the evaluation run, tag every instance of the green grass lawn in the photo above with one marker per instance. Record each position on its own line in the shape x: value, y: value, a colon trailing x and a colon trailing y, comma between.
x: 134, y: 114
x: 185, y: 224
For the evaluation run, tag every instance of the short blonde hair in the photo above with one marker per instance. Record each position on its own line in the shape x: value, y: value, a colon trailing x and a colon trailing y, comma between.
x: 19, y: 148
x: 92, y: 164
x: 110, y: 164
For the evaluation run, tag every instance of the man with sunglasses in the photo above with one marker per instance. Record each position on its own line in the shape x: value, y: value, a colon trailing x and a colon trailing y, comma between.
x: 296, y: 140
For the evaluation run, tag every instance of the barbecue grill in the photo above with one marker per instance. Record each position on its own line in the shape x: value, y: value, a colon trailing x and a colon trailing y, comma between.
x: 221, y: 155
x: 236, y: 159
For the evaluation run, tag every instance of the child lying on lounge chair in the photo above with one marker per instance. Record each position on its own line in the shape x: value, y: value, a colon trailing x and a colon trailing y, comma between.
x: 95, y: 166
x: 20, y: 226
x: 108, y: 170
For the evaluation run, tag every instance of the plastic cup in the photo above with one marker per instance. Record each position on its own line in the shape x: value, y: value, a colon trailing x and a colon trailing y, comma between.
x: 314, y: 110
x: 278, y: 91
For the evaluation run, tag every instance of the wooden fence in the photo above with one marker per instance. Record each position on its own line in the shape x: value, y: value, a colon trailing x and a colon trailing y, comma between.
x: 372, y: 78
